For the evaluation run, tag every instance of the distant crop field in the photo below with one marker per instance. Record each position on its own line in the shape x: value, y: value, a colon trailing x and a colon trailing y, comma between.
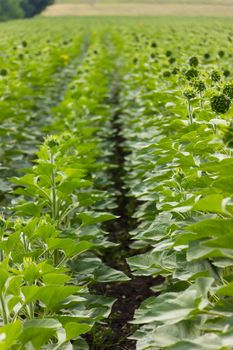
x: 146, y: 9
x: 206, y: 2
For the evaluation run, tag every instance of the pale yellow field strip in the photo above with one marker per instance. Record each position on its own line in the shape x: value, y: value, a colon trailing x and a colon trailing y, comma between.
x: 138, y: 9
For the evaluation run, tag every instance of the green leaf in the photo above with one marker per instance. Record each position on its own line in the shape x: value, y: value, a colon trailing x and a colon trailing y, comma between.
x: 213, y: 203
x: 171, y: 308
x: 28, y: 209
x: 105, y: 273
x: 70, y: 186
x: 39, y: 331
x: 9, y: 334
x: 91, y: 218
x: 68, y: 245
x: 73, y: 329
x: 55, y: 294
x: 226, y: 290
x: 56, y: 278
x: 30, y: 293
x: 212, y: 227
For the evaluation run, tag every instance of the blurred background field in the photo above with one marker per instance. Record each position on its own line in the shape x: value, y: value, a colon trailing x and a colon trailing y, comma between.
x: 139, y: 7
x: 193, y: 2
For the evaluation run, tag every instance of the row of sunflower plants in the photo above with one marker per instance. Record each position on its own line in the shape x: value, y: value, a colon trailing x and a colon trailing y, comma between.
x: 177, y: 125
x: 32, y: 68
x: 51, y: 239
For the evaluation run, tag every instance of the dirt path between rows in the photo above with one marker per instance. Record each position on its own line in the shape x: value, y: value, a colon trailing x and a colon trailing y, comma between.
x: 138, y: 9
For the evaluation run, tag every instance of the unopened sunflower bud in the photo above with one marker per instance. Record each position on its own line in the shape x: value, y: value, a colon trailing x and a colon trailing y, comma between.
x: 206, y: 56
x: 228, y: 136
x: 52, y: 142
x: 24, y: 43
x: 220, y: 103
x: 153, y: 44
x: 3, y: 72
x: 193, y: 61
x: 228, y: 90
x: 199, y: 85
x: 226, y: 73
x: 221, y: 53
x: 172, y: 60
x: 191, y: 74
x: 168, y: 53
x: 189, y: 93
x: 175, y: 71
x: 215, y: 76
x: 166, y: 74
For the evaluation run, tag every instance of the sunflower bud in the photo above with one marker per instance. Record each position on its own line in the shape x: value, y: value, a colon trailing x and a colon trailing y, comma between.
x: 193, y: 61
x: 24, y: 43
x: 215, y: 76
x: 221, y: 53
x: 52, y: 141
x: 166, y: 74
x: 153, y: 44
x: 206, y: 56
x: 226, y: 73
x: 168, y: 53
x: 175, y: 71
x: 228, y: 136
x: 191, y: 74
x: 172, y: 60
x: 228, y: 90
x: 199, y: 85
x: 189, y: 93
x: 220, y: 103
x: 3, y: 72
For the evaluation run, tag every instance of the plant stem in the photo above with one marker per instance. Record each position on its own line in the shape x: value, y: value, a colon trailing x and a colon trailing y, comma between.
x: 54, y: 197
x: 56, y: 257
x: 31, y: 310
x: 190, y: 112
x: 1, y: 255
x: 54, y: 206
x: 201, y: 100
x: 4, y: 313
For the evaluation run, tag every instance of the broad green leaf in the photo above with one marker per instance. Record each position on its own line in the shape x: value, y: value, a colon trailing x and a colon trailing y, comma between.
x: 55, y: 294
x: 91, y: 218
x: 28, y: 209
x: 73, y: 329
x: 68, y: 245
x: 226, y: 290
x: 39, y: 331
x: 9, y: 334
x: 55, y: 278
x: 105, y: 274
x: 213, y: 203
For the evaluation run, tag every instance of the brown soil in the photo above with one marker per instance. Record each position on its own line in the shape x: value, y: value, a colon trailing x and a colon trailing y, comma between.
x: 113, y: 334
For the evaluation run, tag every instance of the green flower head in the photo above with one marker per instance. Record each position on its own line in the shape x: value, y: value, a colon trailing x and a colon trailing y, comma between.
x: 189, y: 93
x: 220, y: 103
x: 193, y: 61
x: 228, y: 90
